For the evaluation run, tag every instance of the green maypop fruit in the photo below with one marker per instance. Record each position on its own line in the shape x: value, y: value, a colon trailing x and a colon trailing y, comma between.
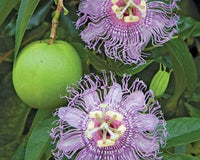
x: 160, y: 81
x: 43, y: 71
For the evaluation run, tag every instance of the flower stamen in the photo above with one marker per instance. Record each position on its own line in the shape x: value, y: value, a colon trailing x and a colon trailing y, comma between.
x: 110, y: 130
x: 128, y: 8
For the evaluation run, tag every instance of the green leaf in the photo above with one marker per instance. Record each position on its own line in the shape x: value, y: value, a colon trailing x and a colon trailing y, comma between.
x: 184, y: 69
x: 178, y: 157
x: 132, y: 70
x: 6, y: 7
x: 40, y: 115
x: 189, y: 28
x: 194, y: 149
x: 98, y: 63
x: 13, y: 113
x: 39, y: 139
x: 183, y: 131
x: 20, y: 152
x: 39, y: 14
x: 26, y: 10
x: 189, y: 8
x: 197, y: 62
x: 7, y: 150
x: 194, y: 112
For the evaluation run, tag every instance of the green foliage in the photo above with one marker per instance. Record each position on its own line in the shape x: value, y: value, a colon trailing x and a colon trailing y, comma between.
x: 26, y: 10
x: 25, y: 135
x: 178, y: 157
x: 13, y: 113
x: 39, y: 139
x: 183, y: 131
x: 6, y: 7
x: 184, y: 70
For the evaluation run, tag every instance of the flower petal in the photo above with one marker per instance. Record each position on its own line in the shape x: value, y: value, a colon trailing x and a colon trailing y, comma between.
x: 70, y: 144
x: 147, y: 122
x: 135, y: 101
x: 114, y: 96
x: 146, y: 145
x: 73, y: 116
x: 91, y: 100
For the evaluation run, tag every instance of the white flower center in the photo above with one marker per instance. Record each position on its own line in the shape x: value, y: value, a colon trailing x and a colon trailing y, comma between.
x: 106, y: 120
x: 126, y: 11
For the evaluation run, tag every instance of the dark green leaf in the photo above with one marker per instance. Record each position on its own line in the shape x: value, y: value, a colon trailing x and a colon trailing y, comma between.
x: 39, y: 139
x: 98, y: 63
x: 194, y: 112
x: 20, y: 152
x: 47, y: 153
x: 194, y: 149
x: 189, y: 28
x: 178, y: 157
x: 37, y: 18
x: 197, y: 62
x: 40, y: 13
x: 7, y: 150
x: 189, y: 8
x: 183, y: 131
x: 6, y: 7
x: 184, y: 69
x: 13, y: 113
x: 26, y: 10
x: 132, y: 70
x: 180, y: 149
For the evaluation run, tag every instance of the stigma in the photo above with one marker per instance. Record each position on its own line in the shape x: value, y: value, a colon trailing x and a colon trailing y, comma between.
x: 128, y: 11
x: 105, y: 126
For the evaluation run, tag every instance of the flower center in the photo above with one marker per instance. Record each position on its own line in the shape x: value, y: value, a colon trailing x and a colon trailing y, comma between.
x: 105, y: 126
x: 128, y: 10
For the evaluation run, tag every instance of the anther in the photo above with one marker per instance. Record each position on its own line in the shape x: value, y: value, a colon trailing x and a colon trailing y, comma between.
x: 129, y: 5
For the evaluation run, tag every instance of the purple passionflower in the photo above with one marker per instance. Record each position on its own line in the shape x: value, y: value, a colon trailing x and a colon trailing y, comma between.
x: 124, y: 27
x: 115, y: 122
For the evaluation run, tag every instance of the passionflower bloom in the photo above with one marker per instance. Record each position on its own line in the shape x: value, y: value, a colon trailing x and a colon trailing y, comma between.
x: 124, y: 27
x: 115, y: 122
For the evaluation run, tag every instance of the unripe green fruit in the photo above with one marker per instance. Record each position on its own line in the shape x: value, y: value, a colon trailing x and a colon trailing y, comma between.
x: 160, y: 82
x: 43, y: 71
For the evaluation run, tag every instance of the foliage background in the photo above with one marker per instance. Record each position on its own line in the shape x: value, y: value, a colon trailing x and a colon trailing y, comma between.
x: 24, y: 130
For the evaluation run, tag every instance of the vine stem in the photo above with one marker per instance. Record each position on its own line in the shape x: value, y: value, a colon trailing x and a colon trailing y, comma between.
x: 55, y: 21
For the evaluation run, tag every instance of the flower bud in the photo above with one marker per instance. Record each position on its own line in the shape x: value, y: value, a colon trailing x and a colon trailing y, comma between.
x: 160, y: 81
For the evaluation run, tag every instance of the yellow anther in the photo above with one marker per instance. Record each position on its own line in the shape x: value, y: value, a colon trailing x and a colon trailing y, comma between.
x: 114, y: 1
x: 106, y: 143
x: 116, y: 9
x: 131, y: 19
x: 88, y: 135
x: 143, y: 8
x: 103, y: 105
x: 122, y: 129
x: 90, y: 125
x: 114, y: 137
x: 93, y: 114
x: 143, y: 5
x: 119, y: 117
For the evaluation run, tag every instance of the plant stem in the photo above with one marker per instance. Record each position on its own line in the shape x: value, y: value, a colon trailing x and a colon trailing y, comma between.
x: 55, y: 21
